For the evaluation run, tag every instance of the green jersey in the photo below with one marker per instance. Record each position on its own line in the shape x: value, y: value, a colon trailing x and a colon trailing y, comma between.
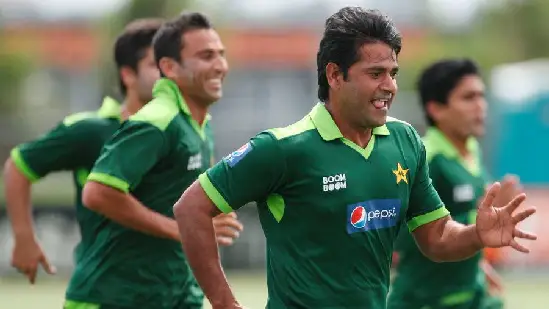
x: 73, y: 145
x: 154, y: 156
x: 420, y: 281
x: 329, y: 209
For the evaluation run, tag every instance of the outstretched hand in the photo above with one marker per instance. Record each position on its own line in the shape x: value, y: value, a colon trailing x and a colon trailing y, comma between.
x: 497, y: 225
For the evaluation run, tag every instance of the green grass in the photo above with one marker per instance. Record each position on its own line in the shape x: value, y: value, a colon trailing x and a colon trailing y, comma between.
x: 521, y: 292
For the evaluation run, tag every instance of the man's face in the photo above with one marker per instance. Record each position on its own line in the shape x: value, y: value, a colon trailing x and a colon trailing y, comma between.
x: 465, y: 112
x: 203, y: 68
x: 147, y: 75
x: 370, y: 88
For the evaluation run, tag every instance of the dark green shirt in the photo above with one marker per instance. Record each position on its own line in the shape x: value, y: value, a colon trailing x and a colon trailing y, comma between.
x: 155, y: 156
x: 73, y: 145
x: 460, y: 185
x: 329, y: 209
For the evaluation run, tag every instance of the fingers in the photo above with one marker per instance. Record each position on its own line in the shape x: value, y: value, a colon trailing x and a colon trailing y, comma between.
x: 227, y: 221
x: 522, y: 215
x: 51, y: 270
x: 226, y: 231
x: 224, y: 241
x: 31, y: 274
x: 515, y: 203
x: 491, y: 195
x: 518, y: 247
x: 525, y: 235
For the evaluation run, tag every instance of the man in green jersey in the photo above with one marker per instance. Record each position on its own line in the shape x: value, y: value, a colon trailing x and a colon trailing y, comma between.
x: 452, y: 95
x: 74, y: 145
x: 333, y: 188
x: 137, y: 260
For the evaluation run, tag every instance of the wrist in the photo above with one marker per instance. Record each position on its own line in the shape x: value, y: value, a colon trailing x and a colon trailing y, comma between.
x: 23, y: 235
x: 475, y: 236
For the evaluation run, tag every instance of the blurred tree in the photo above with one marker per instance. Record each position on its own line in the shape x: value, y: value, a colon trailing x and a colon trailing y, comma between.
x: 13, y: 70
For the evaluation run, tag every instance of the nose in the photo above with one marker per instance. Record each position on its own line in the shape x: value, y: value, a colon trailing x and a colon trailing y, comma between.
x: 221, y: 66
x: 389, y: 84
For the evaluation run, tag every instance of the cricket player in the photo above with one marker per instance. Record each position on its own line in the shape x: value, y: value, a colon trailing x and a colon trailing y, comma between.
x: 452, y: 94
x: 333, y: 188
x: 137, y: 259
x: 74, y: 145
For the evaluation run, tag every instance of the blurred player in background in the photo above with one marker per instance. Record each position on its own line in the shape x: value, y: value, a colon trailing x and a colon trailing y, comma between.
x: 137, y: 260
x: 452, y: 94
x: 74, y: 145
x: 333, y: 188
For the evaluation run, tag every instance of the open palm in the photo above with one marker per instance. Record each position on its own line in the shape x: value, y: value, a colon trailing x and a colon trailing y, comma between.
x: 497, y: 225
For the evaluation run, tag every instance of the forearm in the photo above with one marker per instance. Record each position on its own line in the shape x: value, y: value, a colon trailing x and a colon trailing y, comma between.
x: 17, y: 191
x: 199, y: 244
x: 452, y: 241
x: 126, y: 210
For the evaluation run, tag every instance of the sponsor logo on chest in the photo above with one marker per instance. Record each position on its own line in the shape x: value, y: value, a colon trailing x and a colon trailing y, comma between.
x: 195, y: 162
x: 335, y: 182
x: 372, y: 215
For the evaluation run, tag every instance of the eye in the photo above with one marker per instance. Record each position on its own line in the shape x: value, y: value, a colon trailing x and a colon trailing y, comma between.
x: 375, y: 75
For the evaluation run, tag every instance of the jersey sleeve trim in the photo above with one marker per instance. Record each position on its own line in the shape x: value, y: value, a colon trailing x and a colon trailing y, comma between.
x: 214, y: 194
x: 110, y: 181
x: 22, y: 166
x: 429, y: 217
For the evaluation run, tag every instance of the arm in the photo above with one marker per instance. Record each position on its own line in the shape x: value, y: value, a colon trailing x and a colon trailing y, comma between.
x: 59, y: 149
x: 446, y: 240
x: 250, y: 174
x: 124, y: 209
x: 115, y: 173
x: 198, y: 238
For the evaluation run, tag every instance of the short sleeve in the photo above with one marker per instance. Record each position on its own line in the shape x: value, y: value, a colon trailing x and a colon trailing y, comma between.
x: 425, y: 204
x: 62, y: 148
x: 250, y: 173
x: 130, y: 153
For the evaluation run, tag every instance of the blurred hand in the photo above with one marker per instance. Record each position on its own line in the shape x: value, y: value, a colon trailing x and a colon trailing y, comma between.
x: 497, y: 226
x: 27, y: 255
x: 495, y: 286
x: 227, y: 228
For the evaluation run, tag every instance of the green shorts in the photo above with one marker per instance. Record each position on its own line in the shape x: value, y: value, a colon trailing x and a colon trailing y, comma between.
x: 70, y: 304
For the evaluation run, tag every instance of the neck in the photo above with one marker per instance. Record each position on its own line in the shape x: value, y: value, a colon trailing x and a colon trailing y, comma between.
x: 358, y: 135
x: 131, y: 105
x: 198, y: 111
x: 458, y: 141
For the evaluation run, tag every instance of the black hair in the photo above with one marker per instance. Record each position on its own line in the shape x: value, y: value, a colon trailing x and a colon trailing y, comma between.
x: 168, y: 41
x: 438, y: 80
x: 132, y: 44
x: 345, y: 33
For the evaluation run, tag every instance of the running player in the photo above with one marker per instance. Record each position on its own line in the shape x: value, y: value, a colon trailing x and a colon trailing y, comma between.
x: 452, y: 96
x: 137, y: 260
x: 74, y: 145
x: 333, y: 188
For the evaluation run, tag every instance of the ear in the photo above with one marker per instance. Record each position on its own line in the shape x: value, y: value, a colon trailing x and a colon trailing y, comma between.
x: 167, y: 67
x: 334, y: 75
x: 128, y: 76
x: 435, y: 110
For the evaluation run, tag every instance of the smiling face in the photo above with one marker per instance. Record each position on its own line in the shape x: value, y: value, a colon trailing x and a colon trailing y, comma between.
x: 203, y: 66
x: 367, y: 92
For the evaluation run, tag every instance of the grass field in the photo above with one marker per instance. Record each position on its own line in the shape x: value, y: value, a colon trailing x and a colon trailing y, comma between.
x: 521, y: 292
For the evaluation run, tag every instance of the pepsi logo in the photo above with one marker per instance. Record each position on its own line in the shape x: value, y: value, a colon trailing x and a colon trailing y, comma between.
x: 240, y: 150
x: 358, y: 217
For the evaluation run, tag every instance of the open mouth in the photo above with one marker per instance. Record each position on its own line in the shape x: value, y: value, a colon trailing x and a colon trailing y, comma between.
x: 380, y: 103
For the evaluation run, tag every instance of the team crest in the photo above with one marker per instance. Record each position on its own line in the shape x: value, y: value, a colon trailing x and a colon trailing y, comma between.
x: 401, y: 174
